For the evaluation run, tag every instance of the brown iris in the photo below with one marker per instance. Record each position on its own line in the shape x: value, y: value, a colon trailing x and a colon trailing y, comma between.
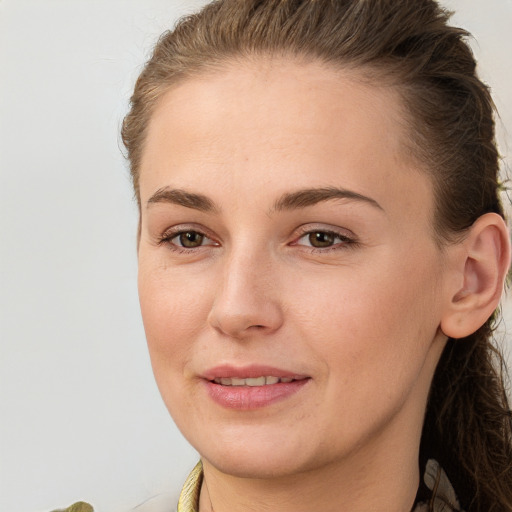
x: 191, y: 239
x: 321, y: 239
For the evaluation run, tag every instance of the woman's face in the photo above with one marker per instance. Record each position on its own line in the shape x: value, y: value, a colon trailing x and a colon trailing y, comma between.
x: 286, y: 235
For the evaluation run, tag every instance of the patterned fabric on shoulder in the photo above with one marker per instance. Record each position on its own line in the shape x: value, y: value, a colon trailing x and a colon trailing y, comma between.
x: 443, y: 497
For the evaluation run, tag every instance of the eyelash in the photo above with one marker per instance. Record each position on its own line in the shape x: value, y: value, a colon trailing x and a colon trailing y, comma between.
x: 344, y: 241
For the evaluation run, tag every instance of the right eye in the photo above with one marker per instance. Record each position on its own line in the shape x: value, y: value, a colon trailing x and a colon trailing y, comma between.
x: 189, y: 239
x: 186, y: 239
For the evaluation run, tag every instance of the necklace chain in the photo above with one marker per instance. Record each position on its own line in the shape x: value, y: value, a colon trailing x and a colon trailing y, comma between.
x: 209, y: 495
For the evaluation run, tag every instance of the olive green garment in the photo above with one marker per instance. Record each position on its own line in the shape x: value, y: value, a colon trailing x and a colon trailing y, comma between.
x: 77, y: 507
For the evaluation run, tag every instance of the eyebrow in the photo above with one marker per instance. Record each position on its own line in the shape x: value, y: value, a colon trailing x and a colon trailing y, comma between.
x: 288, y: 201
x: 183, y: 198
x: 309, y: 197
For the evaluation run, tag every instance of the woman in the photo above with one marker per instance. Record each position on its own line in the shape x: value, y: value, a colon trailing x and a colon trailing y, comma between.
x: 321, y: 252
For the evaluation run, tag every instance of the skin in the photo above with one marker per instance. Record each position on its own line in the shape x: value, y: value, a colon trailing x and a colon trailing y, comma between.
x: 361, y: 318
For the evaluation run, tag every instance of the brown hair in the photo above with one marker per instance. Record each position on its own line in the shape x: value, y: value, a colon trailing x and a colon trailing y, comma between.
x: 409, y: 44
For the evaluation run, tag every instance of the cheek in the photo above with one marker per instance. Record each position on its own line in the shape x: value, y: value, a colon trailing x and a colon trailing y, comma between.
x: 174, y: 312
x: 370, y: 321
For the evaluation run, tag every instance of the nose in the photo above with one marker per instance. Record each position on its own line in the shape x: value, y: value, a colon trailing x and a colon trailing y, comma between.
x: 246, y: 300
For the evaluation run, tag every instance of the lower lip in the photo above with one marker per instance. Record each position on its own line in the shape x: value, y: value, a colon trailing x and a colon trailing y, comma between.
x: 253, y: 397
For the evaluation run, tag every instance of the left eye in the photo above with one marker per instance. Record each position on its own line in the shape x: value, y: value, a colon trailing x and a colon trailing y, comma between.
x: 322, y: 239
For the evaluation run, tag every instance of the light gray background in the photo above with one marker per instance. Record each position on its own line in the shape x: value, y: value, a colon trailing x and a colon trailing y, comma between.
x: 80, y: 416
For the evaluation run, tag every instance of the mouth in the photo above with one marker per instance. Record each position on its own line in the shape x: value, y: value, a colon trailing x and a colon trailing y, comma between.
x: 252, y: 387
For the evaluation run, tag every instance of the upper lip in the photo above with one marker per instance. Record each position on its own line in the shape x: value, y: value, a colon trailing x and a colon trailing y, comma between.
x: 247, y: 372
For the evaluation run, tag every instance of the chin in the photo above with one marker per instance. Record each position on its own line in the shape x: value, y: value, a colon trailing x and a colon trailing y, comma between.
x: 257, y: 456
x: 255, y: 466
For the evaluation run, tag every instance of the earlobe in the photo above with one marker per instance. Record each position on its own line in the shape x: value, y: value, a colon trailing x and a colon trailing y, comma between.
x: 484, y: 265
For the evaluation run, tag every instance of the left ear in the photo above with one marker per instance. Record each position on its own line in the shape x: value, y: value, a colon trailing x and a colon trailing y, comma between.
x: 483, y: 264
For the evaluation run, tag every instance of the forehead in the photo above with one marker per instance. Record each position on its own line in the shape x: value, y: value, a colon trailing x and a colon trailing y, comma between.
x: 262, y: 96
x: 274, y: 122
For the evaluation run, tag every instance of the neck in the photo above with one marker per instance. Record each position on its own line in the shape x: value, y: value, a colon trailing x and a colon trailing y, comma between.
x: 369, y: 480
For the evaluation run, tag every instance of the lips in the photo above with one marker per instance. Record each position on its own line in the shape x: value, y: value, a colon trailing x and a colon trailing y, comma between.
x: 251, y: 387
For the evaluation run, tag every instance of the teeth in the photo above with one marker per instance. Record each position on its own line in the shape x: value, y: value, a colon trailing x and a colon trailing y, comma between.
x: 260, y: 381
x: 254, y: 381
